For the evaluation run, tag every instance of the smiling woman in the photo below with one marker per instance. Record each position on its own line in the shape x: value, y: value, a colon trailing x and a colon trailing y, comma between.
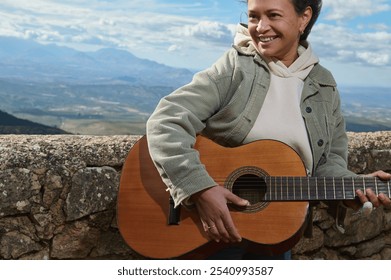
x: 269, y: 85
x: 275, y: 28
x: 301, y: 8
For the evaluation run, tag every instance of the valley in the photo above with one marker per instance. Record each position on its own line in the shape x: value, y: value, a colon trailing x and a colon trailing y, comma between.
x: 111, y: 91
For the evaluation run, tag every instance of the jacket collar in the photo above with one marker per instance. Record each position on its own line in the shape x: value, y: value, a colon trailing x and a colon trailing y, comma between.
x: 322, y: 76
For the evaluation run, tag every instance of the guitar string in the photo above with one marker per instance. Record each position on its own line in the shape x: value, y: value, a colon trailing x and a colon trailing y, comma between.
x: 330, y: 193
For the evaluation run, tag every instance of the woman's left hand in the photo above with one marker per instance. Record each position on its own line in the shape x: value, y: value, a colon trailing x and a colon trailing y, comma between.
x: 370, y: 196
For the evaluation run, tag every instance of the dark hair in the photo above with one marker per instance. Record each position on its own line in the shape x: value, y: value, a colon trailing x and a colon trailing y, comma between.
x: 300, y: 6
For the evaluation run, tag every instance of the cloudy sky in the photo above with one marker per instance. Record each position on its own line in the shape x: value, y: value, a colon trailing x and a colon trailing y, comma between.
x: 352, y: 37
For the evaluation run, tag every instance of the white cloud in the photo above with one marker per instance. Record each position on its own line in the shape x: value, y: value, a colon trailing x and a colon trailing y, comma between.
x: 375, y: 59
x: 209, y: 31
x: 341, y: 44
x: 121, y: 23
x: 380, y: 27
x: 174, y: 48
x: 173, y: 34
x: 348, y: 9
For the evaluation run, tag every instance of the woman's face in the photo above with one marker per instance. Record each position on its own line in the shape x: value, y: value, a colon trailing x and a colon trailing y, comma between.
x: 275, y: 28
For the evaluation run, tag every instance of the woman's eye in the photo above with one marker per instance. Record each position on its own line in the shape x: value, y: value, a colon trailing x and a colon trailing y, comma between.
x: 252, y: 17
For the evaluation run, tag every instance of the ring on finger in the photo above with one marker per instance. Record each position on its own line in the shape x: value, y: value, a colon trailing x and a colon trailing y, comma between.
x: 210, y: 227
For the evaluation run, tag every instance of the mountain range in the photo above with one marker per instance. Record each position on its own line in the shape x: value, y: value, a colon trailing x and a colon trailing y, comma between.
x: 27, y: 60
x: 111, y: 91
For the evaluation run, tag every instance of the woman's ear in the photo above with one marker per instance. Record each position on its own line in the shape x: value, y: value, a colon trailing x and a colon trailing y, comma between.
x: 306, y: 17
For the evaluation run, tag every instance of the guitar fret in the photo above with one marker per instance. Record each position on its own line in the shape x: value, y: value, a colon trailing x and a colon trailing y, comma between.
x: 287, y: 186
x: 301, y: 189
x: 294, y: 189
x: 278, y: 189
x: 360, y: 184
x: 316, y: 185
x: 389, y: 191
x: 377, y: 191
x: 334, y: 187
x: 281, y: 187
x: 319, y: 190
x: 267, y: 196
x: 324, y: 186
x: 269, y: 190
x: 363, y: 182
x: 340, y: 188
x: 273, y: 189
x: 308, y: 188
x: 346, y: 189
x: 312, y: 190
x: 353, y: 187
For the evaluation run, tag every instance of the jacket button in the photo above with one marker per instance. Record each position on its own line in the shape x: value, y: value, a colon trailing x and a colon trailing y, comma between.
x: 308, y: 110
x: 320, y: 143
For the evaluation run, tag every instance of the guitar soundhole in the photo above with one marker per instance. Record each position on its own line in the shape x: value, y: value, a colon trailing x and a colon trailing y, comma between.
x: 249, y: 183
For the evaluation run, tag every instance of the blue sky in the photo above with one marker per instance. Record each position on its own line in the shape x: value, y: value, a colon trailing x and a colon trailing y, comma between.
x: 352, y: 37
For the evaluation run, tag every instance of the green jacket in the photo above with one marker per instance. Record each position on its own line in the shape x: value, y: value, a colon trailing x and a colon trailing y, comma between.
x: 222, y: 103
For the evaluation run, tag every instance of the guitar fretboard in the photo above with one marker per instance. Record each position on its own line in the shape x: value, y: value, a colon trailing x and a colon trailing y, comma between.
x: 321, y: 188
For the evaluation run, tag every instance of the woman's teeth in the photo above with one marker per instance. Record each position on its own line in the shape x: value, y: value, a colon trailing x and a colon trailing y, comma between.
x: 266, y: 39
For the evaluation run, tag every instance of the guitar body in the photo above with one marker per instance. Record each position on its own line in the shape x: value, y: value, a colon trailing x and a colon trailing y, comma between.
x: 267, y: 227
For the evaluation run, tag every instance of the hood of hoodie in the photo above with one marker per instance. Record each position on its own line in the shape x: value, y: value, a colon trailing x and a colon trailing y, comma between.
x: 243, y: 41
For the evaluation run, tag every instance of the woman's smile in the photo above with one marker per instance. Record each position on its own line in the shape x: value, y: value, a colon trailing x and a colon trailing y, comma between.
x: 267, y: 39
x: 275, y: 28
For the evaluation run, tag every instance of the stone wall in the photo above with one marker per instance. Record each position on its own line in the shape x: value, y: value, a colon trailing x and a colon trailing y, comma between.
x: 58, y: 200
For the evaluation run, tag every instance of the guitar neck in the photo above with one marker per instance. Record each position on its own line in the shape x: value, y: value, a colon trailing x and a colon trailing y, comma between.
x: 321, y: 188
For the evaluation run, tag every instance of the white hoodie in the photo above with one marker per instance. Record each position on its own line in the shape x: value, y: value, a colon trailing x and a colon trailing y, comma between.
x: 280, y: 117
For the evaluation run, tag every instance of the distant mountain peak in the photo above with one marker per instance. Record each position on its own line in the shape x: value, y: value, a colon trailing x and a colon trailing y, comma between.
x: 31, y: 61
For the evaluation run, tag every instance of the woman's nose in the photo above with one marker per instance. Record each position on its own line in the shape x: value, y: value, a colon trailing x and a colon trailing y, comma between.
x: 262, y: 25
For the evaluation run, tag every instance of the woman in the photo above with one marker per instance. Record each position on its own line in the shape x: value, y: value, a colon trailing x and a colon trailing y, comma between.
x: 270, y: 85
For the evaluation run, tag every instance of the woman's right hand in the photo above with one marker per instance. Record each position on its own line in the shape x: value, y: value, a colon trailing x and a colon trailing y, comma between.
x: 214, y: 213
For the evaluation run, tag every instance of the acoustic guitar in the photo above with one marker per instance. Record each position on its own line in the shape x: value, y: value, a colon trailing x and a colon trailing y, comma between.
x: 268, y: 173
